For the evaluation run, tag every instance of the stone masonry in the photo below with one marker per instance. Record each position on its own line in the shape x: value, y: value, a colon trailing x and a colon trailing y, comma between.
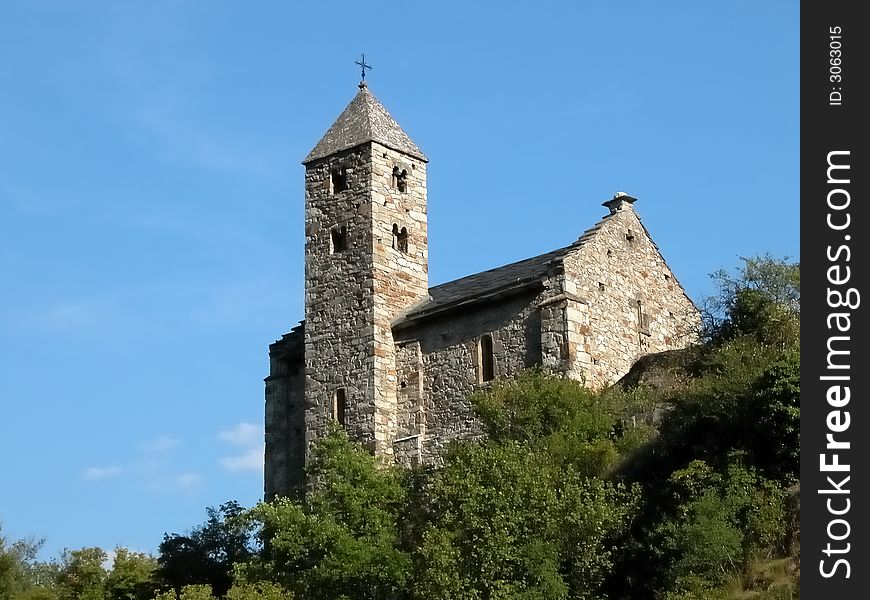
x: 394, y: 361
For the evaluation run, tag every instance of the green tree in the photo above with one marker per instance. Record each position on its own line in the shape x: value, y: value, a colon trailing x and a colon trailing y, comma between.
x: 343, y: 539
x: 206, y: 555
x: 571, y: 425
x: 732, y: 427
x: 187, y: 592
x: 761, y: 300
x: 527, y: 512
x: 260, y: 590
x: 18, y: 568
x: 132, y: 576
x: 82, y: 575
x: 506, y: 524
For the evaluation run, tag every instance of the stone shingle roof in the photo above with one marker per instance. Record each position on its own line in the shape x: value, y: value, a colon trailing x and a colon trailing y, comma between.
x: 487, y: 284
x: 364, y: 120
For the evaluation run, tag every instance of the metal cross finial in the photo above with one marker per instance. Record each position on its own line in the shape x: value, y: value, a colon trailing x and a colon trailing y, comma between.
x: 363, y: 66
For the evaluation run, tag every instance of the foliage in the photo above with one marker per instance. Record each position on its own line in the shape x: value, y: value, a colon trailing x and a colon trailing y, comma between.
x: 187, y: 592
x: 260, y: 590
x: 506, y: 524
x: 78, y: 574
x: 343, y: 540
x: 522, y: 514
x: 82, y: 576
x: 715, y: 477
x: 21, y: 575
x: 132, y: 576
x: 762, y: 300
x: 723, y: 522
x: 559, y: 417
x: 206, y: 555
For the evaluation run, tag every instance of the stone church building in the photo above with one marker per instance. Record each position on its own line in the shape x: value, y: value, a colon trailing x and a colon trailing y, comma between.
x: 394, y: 360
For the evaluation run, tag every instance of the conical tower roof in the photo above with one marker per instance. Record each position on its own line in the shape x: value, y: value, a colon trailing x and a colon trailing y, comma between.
x: 364, y: 120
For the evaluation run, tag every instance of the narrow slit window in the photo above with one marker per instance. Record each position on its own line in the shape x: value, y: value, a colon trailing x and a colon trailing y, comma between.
x: 642, y: 319
x: 339, y: 407
x: 338, y: 239
x: 337, y: 180
x: 629, y: 235
x: 487, y: 360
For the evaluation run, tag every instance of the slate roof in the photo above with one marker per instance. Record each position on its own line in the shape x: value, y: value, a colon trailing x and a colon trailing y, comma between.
x: 487, y: 284
x: 364, y: 120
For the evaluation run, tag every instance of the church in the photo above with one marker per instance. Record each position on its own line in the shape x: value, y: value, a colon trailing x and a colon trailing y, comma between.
x: 392, y: 360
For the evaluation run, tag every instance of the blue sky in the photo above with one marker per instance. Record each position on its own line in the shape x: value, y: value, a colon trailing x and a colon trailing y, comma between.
x: 151, y: 201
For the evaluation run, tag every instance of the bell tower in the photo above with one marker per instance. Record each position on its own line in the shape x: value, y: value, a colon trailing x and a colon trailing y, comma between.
x: 366, y: 262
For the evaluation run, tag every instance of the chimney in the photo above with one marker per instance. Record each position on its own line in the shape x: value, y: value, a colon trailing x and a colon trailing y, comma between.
x: 618, y: 201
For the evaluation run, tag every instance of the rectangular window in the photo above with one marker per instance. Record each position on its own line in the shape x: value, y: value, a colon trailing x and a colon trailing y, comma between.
x: 337, y: 180
x: 643, y: 320
x: 487, y: 360
x: 338, y: 240
x: 339, y: 407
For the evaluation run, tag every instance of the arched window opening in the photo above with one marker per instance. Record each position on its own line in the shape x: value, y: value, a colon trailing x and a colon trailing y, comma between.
x: 400, y: 179
x: 337, y: 180
x: 339, y: 407
x: 487, y: 360
x: 338, y: 240
x: 400, y: 238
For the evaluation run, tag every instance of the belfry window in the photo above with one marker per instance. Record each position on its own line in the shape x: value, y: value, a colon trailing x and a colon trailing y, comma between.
x: 337, y: 180
x: 339, y: 407
x: 338, y: 240
x: 400, y: 238
x: 400, y: 179
x: 487, y: 360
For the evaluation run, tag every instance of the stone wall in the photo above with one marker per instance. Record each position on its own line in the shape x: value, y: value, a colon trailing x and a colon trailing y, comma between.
x: 634, y: 304
x: 451, y: 364
x: 285, y: 416
x: 401, y: 271
x: 355, y: 290
x: 339, y: 306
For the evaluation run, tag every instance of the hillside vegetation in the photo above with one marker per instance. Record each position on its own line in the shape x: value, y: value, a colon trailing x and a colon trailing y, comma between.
x: 679, y: 483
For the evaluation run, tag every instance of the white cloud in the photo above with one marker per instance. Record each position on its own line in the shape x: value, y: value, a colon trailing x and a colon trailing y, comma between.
x: 243, y: 434
x: 250, y: 438
x: 163, y: 443
x: 189, y: 481
x: 250, y: 461
x: 95, y: 473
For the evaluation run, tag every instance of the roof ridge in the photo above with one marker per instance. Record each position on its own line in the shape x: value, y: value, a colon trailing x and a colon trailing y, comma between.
x: 506, y: 265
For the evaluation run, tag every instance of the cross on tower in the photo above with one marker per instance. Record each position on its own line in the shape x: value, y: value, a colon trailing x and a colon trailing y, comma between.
x: 363, y: 66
